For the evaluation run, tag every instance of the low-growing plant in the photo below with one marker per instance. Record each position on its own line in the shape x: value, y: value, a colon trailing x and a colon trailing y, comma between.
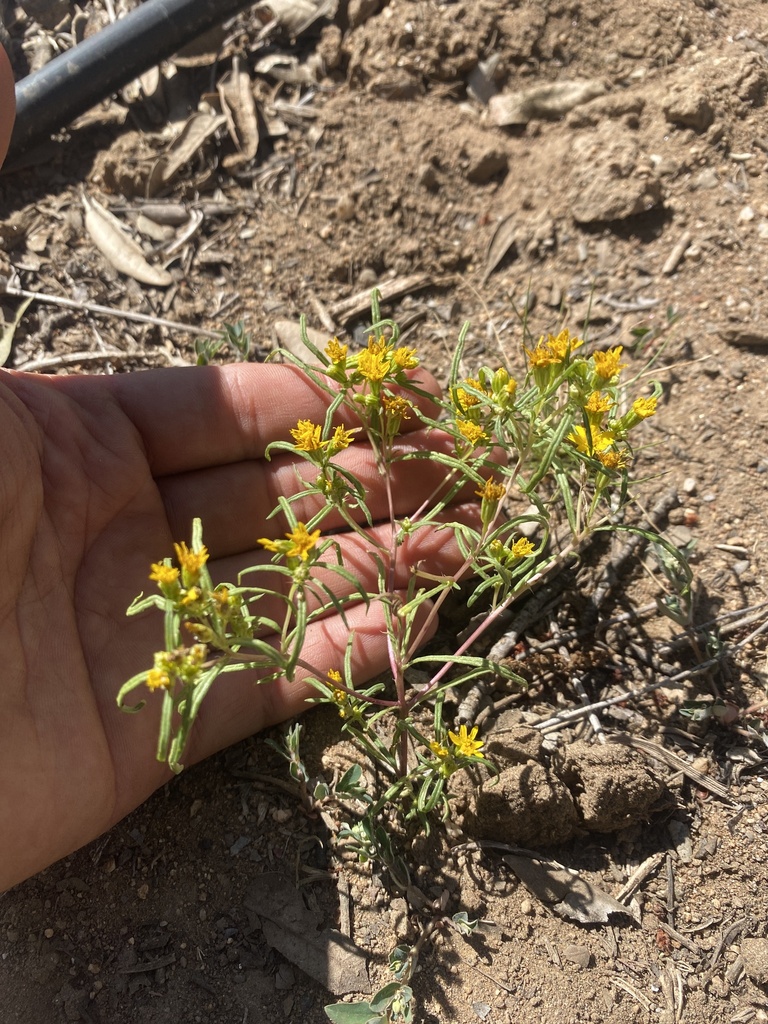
x: 560, y: 439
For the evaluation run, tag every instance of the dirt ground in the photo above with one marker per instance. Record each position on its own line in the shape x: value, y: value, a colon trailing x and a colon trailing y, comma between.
x: 410, y: 145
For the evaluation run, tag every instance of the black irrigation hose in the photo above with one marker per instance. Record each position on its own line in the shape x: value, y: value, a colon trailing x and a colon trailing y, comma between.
x: 77, y: 80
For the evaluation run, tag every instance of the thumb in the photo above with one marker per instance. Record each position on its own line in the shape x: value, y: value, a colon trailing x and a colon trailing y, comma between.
x: 7, y: 103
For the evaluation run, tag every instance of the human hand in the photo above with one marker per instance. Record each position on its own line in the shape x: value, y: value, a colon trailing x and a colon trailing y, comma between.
x: 100, y: 476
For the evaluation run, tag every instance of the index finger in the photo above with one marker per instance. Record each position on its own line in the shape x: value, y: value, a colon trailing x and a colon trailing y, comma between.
x: 197, y: 417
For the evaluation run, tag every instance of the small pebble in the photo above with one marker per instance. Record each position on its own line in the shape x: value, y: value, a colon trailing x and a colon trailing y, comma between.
x: 345, y: 208
x: 367, y: 277
x: 746, y: 214
x: 579, y: 955
x: 526, y: 908
x: 689, y: 485
x: 755, y: 955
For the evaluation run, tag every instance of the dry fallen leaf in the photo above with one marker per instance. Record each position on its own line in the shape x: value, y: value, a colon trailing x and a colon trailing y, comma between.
x: 502, y: 240
x: 289, y: 927
x: 196, y: 132
x: 110, y: 238
x: 239, y: 106
x: 288, y: 336
x: 564, y: 891
x: 296, y: 16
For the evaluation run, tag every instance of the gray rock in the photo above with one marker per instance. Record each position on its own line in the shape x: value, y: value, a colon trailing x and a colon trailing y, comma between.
x: 548, y: 102
x: 579, y: 955
x: 688, y: 107
x: 706, y: 179
x: 754, y: 953
x: 485, y: 165
x: 610, y: 178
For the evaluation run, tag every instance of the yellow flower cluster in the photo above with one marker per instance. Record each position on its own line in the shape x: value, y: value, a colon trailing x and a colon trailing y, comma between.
x: 396, y: 406
x: 597, y: 439
x: 466, y: 399
x: 522, y: 548
x: 644, y: 407
x: 553, y: 350
x: 472, y: 432
x: 183, y: 664
x: 298, y: 543
x: 379, y: 361
x: 594, y: 442
x: 308, y: 438
x: 335, y: 351
x: 607, y: 365
x: 165, y: 575
x: 492, y: 491
x: 180, y: 584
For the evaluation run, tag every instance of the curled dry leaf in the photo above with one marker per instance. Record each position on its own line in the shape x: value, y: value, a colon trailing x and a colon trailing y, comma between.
x: 109, y: 237
x: 239, y: 106
x: 196, y: 132
x: 295, y: 16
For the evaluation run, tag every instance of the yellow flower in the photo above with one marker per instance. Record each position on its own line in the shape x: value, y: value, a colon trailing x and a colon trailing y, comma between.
x: 465, y: 743
x: 553, y: 350
x: 334, y: 675
x: 191, y: 562
x: 598, y: 405
x: 165, y: 575
x: 335, y: 351
x: 405, y: 358
x: 341, y: 438
x: 157, y: 679
x: 466, y: 399
x: 438, y: 750
x: 302, y: 541
x: 492, y: 491
x: 373, y: 365
x: 541, y: 356
x: 599, y: 441
x: 297, y: 544
x: 307, y: 436
x: 607, y: 364
x: 192, y: 595
x: 644, y: 407
x: 614, y: 460
x: 379, y: 346
x: 522, y: 548
x: 562, y: 345
x: 396, y: 405
x: 473, y: 432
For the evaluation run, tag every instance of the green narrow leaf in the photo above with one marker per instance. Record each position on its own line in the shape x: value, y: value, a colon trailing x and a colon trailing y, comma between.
x: 9, y: 332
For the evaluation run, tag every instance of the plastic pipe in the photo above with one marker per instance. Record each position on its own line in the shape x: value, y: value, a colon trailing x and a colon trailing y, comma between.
x: 77, y: 80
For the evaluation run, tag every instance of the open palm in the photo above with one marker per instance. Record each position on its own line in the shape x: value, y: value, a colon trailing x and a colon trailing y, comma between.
x: 99, y: 476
